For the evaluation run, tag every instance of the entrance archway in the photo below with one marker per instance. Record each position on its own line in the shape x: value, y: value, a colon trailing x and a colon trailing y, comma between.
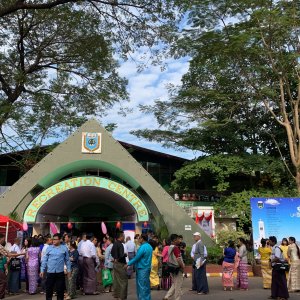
x: 79, y: 194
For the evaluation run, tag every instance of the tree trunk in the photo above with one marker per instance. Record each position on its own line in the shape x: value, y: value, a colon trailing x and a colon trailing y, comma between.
x: 297, y: 178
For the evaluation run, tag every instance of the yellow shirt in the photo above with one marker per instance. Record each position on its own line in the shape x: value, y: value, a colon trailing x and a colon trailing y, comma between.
x: 284, y: 251
x: 265, y: 253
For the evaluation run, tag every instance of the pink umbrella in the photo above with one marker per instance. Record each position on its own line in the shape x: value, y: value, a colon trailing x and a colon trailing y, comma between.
x: 103, y: 227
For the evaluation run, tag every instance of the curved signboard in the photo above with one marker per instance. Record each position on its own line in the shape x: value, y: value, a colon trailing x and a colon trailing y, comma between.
x: 103, y: 183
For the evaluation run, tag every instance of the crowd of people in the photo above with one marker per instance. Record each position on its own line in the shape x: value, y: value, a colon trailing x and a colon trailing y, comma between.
x: 280, y: 266
x: 67, y: 265
x: 64, y: 265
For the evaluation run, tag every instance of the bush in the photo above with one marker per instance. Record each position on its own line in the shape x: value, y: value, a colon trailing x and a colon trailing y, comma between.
x: 214, y: 254
x: 188, y: 260
x: 223, y: 236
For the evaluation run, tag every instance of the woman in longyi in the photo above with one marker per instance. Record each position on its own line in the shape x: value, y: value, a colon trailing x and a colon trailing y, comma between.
x: 266, y: 270
x: 294, y: 273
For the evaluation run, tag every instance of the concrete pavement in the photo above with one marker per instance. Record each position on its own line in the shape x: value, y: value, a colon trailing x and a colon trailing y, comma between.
x: 255, y: 292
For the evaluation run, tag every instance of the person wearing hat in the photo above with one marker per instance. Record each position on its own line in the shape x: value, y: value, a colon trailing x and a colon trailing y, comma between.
x: 200, y: 283
x: 194, y: 285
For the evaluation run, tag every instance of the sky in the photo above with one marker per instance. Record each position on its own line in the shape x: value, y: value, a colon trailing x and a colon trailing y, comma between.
x: 144, y: 88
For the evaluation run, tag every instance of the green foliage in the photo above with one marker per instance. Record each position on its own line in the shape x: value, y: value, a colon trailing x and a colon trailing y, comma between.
x: 111, y: 127
x: 261, y: 171
x: 214, y: 254
x: 188, y: 259
x: 160, y: 228
x: 240, y: 94
x: 223, y: 236
x: 58, y: 66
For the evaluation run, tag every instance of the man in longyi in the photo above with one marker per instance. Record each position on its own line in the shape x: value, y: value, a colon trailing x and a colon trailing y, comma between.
x: 90, y: 260
x: 120, y: 283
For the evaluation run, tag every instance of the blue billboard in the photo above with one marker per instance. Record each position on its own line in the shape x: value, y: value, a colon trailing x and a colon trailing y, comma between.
x: 275, y: 216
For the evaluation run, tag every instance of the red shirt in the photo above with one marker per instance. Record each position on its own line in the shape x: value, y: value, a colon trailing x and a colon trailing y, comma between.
x: 176, y: 252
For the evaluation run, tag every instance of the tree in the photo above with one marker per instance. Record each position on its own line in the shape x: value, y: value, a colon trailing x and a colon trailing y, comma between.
x: 59, y: 59
x: 243, y: 53
x: 236, y: 178
x: 232, y: 173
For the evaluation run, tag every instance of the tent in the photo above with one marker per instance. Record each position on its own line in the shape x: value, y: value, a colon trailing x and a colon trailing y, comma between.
x: 9, y: 228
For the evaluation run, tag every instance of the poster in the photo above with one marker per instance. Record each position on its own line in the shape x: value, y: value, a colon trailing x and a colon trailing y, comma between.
x: 275, y: 216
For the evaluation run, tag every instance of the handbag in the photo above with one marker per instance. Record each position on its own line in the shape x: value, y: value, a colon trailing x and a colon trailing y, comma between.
x: 281, y: 266
x: 15, y: 264
x: 106, y: 277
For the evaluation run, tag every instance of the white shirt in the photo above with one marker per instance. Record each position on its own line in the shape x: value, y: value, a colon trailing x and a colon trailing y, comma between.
x: 126, y: 252
x: 193, y: 250
x: 276, y: 252
x: 88, y: 249
x: 15, y: 248
x: 130, y: 245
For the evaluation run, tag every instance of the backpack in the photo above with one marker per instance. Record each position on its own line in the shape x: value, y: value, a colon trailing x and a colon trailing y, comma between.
x: 15, y: 264
x: 172, y: 263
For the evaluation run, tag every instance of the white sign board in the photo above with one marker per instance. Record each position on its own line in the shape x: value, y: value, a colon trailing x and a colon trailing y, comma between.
x: 187, y: 227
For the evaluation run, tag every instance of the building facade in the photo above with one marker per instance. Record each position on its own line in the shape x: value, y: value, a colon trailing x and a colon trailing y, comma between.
x: 92, y: 178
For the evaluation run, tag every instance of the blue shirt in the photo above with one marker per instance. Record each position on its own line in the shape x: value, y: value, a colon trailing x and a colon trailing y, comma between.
x: 143, y: 258
x: 229, y: 255
x: 55, y: 258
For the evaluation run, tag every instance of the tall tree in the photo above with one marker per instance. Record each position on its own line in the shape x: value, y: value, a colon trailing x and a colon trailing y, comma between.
x: 245, y: 58
x: 58, y: 59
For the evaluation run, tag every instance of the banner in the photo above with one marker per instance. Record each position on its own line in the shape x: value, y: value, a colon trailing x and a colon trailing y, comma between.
x: 204, y: 217
x: 275, y: 216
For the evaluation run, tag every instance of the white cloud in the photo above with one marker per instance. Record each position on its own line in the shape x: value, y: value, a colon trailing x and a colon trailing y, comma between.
x: 273, y: 202
x: 144, y: 88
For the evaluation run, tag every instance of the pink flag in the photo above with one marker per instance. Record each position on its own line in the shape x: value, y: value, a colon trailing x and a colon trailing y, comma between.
x: 25, y: 226
x: 53, y: 228
x: 103, y: 227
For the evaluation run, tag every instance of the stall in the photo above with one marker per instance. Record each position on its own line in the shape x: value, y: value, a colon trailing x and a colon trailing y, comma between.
x: 9, y: 228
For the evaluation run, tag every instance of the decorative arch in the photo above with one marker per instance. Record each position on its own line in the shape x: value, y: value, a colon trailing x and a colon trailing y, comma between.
x: 81, y: 164
x: 35, y: 205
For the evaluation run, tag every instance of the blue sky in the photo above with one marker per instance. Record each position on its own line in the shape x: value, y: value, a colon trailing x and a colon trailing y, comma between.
x: 144, y: 88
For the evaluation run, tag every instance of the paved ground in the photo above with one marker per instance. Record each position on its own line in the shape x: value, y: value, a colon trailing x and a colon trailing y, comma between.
x: 216, y: 293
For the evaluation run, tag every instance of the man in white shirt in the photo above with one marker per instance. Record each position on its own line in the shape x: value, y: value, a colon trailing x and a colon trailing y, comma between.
x: 90, y: 260
x: 130, y: 251
x: 15, y: 248
x: 80, y: 261
x: 197, y: 238
x: 14, y: 272
x: 200, y: 271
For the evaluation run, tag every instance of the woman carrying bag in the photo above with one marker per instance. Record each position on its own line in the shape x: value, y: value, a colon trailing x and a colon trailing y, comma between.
x: 107, y: 279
